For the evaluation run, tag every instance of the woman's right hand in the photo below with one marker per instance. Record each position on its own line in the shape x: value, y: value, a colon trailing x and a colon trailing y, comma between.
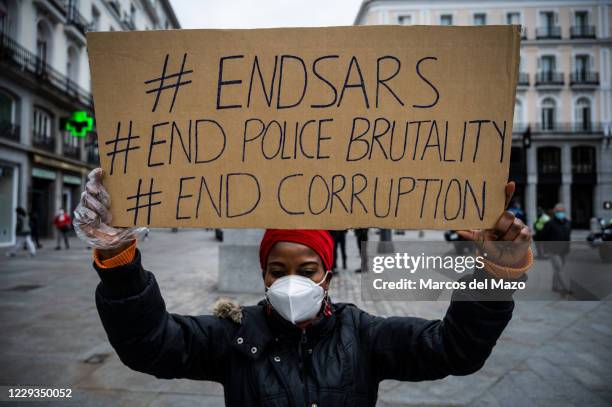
x: 92, y: 220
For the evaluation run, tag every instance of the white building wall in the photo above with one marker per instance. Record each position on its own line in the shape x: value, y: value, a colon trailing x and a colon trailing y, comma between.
x: 565, y: 49
x: 23, y: 16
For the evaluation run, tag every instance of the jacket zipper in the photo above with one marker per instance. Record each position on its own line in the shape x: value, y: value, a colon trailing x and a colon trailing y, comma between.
x: 303, y: 373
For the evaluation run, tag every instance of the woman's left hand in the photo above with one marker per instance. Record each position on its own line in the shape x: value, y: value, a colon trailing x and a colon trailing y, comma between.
x: 508, y: 228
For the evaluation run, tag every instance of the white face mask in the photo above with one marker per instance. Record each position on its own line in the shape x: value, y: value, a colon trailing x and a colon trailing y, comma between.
x: 296, y: 298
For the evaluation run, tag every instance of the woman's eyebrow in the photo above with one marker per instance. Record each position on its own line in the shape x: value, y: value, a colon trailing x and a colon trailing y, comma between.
x: 307, y: 263
x: 276, y: 263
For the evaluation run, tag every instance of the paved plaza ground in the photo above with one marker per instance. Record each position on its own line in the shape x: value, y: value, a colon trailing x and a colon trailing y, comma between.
x: 553, y: 353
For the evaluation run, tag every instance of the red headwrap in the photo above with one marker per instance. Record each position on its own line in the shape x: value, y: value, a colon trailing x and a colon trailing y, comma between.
x: 318, y: 240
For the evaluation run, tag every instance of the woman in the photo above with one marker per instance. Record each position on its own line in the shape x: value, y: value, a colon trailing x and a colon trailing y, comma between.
x: 296, y: 348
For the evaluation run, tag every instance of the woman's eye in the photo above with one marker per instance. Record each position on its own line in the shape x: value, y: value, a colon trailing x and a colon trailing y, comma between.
x: 277, y: 273
x: 307, y: 272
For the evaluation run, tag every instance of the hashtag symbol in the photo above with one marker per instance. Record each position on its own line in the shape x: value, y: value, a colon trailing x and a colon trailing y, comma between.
x: 162, y: 85
x: 141, y: 204
x: 127, y: 141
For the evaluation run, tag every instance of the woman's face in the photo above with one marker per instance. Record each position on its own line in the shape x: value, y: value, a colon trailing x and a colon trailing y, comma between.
x: 287, y: 258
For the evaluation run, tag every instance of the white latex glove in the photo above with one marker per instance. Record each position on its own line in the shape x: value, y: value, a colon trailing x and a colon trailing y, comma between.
x: 92, y: 218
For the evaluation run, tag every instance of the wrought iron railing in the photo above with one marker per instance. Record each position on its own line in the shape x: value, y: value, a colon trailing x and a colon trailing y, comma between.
x: 15, y: 54
x: 582, y: 31
x: 549, y: 78
x: 548, y: 32
x: 558, y: 127
x: 76, y: 18
x: 9, y: 131
x: 71, y: 151
x: 43, y: 141
x: 129, y: 23
x: 584, y: 78
x: 523, y: 79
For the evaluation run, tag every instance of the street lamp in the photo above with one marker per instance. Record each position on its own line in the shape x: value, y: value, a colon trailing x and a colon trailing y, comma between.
x: 527, y: 137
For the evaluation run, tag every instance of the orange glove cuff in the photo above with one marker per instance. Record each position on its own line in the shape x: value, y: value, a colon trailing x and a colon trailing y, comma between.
x: 510, y: 273
x: 123, y: 258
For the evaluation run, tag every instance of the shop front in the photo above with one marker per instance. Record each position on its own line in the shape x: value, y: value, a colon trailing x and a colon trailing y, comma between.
x: 41, y: 199
x: 71, y: 191
x: 9, y: 176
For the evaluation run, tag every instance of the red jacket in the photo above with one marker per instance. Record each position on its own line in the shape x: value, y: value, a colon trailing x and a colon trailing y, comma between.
x: 62, y: 221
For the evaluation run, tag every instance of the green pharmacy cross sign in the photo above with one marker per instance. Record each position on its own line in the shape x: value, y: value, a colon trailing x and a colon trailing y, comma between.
x: 79, y: 124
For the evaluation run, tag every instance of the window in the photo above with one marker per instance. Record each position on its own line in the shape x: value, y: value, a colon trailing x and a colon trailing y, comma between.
x: 446, y: 19
x: 7, y: 109
x: 3, y: 19
x: 582, y: 64
x: 132, y: 14
x: 549, y: 160
x: 518, y: 112
x: 43, y: 39
x: 547, y: 64
x: 513, y: 18
x: 547, y: 19
x: 581, y: 19
x: 95, y: 19
x: 71, y: 144
x: 72, y: 64
x: 583, y: 160
x: 404, y: 20
x: 548, y: 114
x: 42, y: 124
x: 480, y: 19
x: 582, y: 114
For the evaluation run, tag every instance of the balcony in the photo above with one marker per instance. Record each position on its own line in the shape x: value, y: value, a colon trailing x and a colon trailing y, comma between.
x: 91, y: 150
x: 43, y: 141
x: 93, y: 157
x: 24, y: 61
x: 76, y: 19
x: 71, y: 151
x: 582, y: 31
x: 548, y: 33
x: 9, y: 131
x: 568, y: 128
x: 129, y: 23
x: 523, y: 79
x: 519, y: 127
x: 549, y: 78
x: 584, y: 78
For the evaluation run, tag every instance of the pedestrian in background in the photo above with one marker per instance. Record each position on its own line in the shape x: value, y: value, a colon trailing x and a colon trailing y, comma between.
x: 557, y: 232
x: 22, y: 234
x: 34, y: 229
x: 339, y: 237
x: 62, y: 223
x: 538, y: 225
x: 517, y: 210
x: 362, y: 236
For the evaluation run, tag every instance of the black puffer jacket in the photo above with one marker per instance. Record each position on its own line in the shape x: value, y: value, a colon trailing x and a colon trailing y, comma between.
x: 266, y: 361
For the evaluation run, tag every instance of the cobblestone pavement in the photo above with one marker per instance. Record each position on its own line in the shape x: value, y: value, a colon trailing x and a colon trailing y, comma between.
x: 553, y: 353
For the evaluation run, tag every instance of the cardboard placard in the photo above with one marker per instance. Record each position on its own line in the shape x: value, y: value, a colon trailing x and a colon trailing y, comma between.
x: 372, y: 126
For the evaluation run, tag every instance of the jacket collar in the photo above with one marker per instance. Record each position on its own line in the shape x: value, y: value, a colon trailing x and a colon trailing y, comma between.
x: 260, y: 327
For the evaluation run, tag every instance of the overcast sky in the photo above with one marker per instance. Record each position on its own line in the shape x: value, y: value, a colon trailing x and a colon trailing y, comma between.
x: 264, y: 13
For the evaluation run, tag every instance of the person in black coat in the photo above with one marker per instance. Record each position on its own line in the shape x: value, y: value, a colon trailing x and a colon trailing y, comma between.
x: 557, y: 234
x: 296, y: 347
x: 339, y: 237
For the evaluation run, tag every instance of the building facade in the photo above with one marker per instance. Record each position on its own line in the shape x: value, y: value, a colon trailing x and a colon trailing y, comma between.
x: 44, y: 81
x: 563, y: 113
